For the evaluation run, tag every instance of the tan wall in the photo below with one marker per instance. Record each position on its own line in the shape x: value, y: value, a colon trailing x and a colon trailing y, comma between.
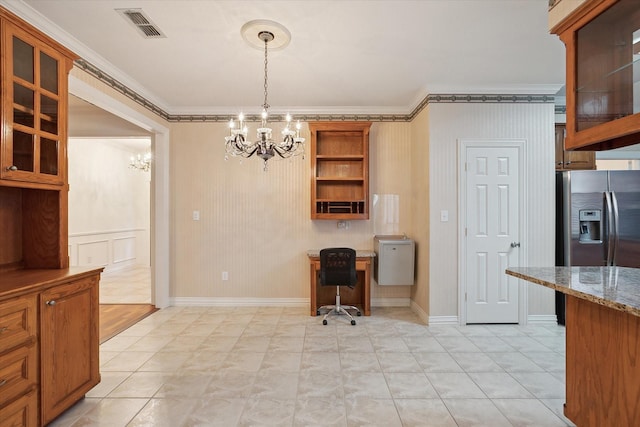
x: 420, y: 208
x: 256, y: 225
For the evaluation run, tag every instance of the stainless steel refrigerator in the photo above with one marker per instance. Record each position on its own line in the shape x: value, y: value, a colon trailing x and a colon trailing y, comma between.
x: 597, y: 220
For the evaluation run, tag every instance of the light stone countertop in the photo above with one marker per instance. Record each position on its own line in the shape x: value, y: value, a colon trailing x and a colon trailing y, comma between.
x: 360, y: 253
x: 614, y: 287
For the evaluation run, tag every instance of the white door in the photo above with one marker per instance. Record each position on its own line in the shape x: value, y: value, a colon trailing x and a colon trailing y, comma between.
x: 492, y: 222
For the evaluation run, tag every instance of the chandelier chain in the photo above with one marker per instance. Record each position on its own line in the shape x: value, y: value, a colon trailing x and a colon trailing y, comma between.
x: 266, y: 63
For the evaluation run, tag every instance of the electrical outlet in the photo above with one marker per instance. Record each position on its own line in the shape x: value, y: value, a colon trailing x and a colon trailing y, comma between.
x: 444, y: 216
x: 225, y: 275
x: 196, y: 215
x: 343, y: 225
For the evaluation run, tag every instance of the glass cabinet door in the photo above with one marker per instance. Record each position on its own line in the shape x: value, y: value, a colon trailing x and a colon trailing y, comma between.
x: 603, y: 75
x: 32, y: 150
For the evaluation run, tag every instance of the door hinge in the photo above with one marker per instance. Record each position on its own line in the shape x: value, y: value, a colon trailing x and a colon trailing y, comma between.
x: 465, y: 232
x: 465, y: 166
x: 465, y: 297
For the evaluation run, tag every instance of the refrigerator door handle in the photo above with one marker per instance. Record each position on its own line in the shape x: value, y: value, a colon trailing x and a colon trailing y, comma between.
x: 616, y: 230
x: 610, y: 230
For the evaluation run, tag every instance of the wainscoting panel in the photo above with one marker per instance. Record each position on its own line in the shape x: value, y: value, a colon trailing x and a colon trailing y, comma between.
x: 94, y: 253
x: 124, y: 249
x: 113, y: 249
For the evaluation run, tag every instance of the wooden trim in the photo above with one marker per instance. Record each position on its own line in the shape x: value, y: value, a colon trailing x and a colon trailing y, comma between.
x: 581, y: 15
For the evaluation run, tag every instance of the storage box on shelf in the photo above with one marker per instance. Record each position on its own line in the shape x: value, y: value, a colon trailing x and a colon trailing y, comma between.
x: 339, y: 170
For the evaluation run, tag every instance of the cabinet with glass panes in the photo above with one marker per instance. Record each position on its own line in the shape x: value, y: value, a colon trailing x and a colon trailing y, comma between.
x: 602, y: 39
x: 34, y: 108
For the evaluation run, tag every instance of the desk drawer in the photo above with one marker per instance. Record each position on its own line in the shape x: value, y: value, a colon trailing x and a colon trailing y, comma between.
x: 17, y: 322
x: 18, y: 372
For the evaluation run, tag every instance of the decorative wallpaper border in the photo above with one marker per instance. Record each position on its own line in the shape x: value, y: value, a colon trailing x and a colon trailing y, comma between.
x: 429, y: 99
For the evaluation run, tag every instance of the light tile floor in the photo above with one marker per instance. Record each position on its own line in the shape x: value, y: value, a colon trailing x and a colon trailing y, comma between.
x: 204, y: 366
x: 129, y: 285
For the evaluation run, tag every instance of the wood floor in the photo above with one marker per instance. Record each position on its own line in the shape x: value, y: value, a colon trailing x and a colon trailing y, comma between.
x: 115, y: 318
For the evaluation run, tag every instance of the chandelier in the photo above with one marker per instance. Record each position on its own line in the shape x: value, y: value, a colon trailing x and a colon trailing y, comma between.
x: 141, y: 162
x: 265, y: 147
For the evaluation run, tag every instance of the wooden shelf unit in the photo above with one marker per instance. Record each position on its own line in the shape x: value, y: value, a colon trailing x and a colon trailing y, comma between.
x: 339, y: 170
x: 49, y: 345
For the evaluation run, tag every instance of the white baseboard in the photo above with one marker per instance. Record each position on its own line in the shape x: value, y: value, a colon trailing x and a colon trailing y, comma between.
x: 390, y: 302
x: 444, y: 320
x: 542, y: 319
x: 239, y: 302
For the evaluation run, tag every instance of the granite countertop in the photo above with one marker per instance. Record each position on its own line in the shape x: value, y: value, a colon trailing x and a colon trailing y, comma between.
x: 360, y: 253
x: 614, y: 287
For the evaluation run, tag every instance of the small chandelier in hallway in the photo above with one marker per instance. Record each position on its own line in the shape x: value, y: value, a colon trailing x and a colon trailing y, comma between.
x: 265, y: 147
x: 141, y: 162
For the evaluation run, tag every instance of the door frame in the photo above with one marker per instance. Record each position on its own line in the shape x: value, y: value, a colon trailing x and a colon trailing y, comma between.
x: 160, y: 227
x: 463, y: 144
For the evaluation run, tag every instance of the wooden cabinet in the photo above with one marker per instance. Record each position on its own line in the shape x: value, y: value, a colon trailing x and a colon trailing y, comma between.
x: 69, y: 344
x: 339, y: 170
x: 49, y: 339
x: 33, y: 74
x: 603, y: 105
x: 49, y: 342
x: 18, y: 362
x: 571, y: 160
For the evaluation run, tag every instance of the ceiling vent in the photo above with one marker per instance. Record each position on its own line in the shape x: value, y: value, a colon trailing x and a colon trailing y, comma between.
x: 142, y: 22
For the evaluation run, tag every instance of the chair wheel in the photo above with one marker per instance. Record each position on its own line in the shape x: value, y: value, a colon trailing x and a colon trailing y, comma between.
x: 324, y: 322
x: 353, y: 322
x: 359, y: 314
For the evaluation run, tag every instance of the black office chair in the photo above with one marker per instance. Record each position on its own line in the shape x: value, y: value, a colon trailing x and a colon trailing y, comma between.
x: 338, y: 268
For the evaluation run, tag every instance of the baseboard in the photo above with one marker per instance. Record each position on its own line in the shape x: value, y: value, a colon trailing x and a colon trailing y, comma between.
x: 239, y: 302
x: 390, y: 302
x: 444, y: 320
x: 542, y: 319
x: 420, y: 312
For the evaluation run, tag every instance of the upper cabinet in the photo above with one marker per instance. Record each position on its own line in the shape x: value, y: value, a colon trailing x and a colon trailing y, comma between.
x: 33, y: 77
x: 339, y: 170
x: 602, y: 39
x: 571, y: 160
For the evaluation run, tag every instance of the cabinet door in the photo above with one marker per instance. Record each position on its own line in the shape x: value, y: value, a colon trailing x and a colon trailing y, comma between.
x: 69, y: 344
x: 572, y: 160
x: 560, y: 133
x: 34, y: 93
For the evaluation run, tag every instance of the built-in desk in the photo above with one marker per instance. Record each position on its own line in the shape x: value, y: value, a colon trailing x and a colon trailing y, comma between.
x: 359, y: 296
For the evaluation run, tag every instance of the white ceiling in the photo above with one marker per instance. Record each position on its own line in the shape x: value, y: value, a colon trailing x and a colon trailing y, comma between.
x: 350, y: 56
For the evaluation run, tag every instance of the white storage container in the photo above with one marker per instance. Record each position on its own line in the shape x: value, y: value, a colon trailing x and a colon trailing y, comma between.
x: 394, y: 262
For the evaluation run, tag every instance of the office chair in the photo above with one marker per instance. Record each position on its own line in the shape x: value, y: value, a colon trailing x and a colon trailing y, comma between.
x: 338, y: 268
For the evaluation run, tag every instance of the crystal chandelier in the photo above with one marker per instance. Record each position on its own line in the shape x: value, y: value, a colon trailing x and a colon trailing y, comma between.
x: 265, y: 147
x: 141, y: 162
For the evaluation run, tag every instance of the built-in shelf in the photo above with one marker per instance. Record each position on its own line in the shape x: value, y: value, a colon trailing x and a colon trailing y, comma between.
x: 340, y: 170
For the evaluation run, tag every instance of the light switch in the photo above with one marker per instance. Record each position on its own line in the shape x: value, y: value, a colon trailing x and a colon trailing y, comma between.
x: 444, y: 216
x: 196, y: 215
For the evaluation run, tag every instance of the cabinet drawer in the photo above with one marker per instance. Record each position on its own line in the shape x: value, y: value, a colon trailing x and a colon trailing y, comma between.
x: 22, y: 412
x: 17, y: 322
x: 17, y: 372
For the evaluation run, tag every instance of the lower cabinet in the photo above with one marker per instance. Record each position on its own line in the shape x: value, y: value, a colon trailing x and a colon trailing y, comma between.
x: 49, y: 343
x: 69, y: 345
